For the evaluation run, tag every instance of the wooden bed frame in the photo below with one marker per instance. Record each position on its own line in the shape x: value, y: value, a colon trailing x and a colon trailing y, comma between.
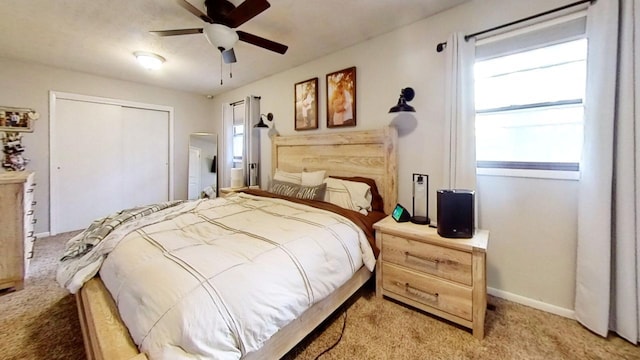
x: 370, y: 153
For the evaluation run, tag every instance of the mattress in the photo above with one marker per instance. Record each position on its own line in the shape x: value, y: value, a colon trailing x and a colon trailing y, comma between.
x: 214, y: 279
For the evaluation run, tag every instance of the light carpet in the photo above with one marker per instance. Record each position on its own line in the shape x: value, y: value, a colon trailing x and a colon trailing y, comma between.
x: 41, y: 322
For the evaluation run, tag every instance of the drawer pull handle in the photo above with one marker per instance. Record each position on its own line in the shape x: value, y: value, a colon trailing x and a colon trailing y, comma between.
x: 433, y: 297
x: 30, y: 233
x: 30, y: 212
x: 33, y: 203
x: 30, y: 190
x: 30, y: 255
x: 435, y: 262
x: 34, y: 221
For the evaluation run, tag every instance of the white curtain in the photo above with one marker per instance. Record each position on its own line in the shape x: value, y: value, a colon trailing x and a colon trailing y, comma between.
x: 608, y: 266
x: 226, y: 161
x: 460, y: 144
x: 251, y: 140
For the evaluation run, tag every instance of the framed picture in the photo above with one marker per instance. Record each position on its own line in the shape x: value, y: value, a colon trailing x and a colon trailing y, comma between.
x: 306, y: 104
x: 17, y: 119
x: 341, y: 98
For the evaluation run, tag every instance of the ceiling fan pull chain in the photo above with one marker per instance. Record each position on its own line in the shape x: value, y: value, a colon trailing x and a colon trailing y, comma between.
x: 230, y: 71
x: 220, y: 71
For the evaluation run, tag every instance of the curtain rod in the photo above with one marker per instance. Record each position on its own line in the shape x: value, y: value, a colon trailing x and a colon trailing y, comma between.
x: 441, y: 46
x: 242, y: 101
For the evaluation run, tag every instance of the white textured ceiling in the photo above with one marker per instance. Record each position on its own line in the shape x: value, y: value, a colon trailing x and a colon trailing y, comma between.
x: 100, y: 36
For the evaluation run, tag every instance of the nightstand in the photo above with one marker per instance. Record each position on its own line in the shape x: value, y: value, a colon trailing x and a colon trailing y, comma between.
x: 444, y: 277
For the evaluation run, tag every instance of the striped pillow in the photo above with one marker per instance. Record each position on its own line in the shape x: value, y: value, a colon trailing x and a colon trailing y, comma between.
x: 312, y: 192
x: 298, y: 191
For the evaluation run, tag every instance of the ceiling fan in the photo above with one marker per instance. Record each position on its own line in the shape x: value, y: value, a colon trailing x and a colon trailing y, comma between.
x: 221, y: 19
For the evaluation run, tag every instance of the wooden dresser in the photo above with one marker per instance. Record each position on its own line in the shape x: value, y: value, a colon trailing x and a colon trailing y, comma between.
x: 445, y: 277
x: 16, y: 227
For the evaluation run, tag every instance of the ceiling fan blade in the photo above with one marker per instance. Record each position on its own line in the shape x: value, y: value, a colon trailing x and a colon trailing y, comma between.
x: 229, y: 56
x: 262, y: 42
x: 194, y: 10
x: 218, y: 10
x: 245, y: 12
x: 177, y: 32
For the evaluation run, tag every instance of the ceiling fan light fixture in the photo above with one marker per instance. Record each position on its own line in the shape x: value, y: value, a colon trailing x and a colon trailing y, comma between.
x: 149, y: 60
x: 220, y: 36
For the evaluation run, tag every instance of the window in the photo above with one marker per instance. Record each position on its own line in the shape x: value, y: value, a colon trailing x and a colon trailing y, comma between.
x: 241, y: 141
x: 530, y: 106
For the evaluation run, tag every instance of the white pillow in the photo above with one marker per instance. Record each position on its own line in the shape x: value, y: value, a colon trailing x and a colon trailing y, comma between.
x: 350, y: 195
x: 313, y: 178
x: 295, y: 178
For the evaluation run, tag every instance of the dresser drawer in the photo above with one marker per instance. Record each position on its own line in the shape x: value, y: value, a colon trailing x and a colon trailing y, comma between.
x: 29, y: 192
x: 28, y: 251
x: 29, y: 220
x: 28, y: 247
x: 431, y: 291
x: 440, y: 261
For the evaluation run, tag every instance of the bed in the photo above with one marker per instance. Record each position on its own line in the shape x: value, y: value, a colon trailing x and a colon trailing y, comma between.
x: 370, y: 154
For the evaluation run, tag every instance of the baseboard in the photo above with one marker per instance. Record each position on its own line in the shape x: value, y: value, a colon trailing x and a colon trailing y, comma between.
x: 568, y: 313
x: 42, y: 235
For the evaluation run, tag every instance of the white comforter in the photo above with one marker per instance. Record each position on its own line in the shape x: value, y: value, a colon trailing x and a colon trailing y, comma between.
x: 216, y: 278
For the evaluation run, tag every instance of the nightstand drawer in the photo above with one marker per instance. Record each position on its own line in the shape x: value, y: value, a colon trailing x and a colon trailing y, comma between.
x: 440, y: 294
x: 440, y: 261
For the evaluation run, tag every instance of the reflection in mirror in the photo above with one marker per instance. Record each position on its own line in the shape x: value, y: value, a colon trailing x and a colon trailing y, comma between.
x: 203, y: 166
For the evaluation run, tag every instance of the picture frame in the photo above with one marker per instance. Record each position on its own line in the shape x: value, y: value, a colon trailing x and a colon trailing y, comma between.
x: 341, y: 98
x: 17, y: 119
x: 306, y: 104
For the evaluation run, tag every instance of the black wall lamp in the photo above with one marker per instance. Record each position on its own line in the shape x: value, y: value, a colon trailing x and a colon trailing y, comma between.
x: 406, y: 94
x: 261, y: 124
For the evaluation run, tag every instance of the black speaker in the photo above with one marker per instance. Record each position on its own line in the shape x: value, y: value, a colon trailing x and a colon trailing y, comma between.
x: 455, y: 213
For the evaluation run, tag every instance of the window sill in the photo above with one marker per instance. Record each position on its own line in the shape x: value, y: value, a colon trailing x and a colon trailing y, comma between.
x: 527, y: 173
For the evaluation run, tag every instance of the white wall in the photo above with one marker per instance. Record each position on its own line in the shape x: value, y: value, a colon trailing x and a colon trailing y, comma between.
x: 532, y: 222
x: 28, y: 85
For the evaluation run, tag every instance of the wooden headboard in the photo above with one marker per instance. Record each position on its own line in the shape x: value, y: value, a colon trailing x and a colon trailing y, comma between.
x: 369, y: 153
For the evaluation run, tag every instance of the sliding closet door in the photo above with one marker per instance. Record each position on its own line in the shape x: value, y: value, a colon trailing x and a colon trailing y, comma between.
x: 86, y: 169
x: 145, y: 142
x: 106, y: 157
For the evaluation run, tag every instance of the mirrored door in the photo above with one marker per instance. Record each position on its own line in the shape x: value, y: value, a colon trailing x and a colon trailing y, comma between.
x: 203, y: 166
